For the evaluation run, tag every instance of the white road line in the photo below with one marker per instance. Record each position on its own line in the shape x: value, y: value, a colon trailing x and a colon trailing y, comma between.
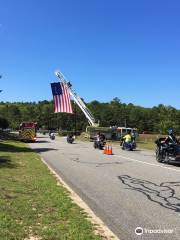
x: 152, y: 164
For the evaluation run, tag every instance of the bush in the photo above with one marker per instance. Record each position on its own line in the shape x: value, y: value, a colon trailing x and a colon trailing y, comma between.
x: 66, y: 132
x: 4, y: 123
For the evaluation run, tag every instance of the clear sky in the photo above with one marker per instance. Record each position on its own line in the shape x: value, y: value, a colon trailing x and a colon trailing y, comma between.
x: 106, y: 48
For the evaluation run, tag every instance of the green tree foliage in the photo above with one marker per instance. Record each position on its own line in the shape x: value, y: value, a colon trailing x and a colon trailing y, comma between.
x: 3, y: 123
x: 114, y: 113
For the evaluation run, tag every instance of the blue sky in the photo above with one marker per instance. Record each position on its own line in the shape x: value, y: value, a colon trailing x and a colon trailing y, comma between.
x: 126, y: 49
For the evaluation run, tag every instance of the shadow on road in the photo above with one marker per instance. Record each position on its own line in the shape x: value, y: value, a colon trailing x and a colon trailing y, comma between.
x: 176, y: 164
x: 39, y: 150
x: 5, y: 147
x: 163, y: 194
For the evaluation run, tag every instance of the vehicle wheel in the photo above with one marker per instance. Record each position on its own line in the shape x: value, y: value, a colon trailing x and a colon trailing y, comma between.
x: 159, y: 157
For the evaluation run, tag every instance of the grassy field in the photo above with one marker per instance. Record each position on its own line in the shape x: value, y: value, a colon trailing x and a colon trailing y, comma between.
x: 146, y: 141
x: 32, y: 205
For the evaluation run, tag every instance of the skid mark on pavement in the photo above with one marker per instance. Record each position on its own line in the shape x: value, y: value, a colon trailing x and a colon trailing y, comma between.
x: 101, y: 164
x: 163, y: 194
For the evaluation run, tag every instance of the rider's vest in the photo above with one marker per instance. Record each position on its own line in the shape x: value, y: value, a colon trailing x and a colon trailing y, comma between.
x: 127, y: 138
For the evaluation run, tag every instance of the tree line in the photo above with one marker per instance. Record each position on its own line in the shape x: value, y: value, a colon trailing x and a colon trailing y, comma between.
x: 114, y: 113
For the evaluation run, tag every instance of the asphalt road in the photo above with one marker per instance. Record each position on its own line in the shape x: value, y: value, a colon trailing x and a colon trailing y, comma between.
x: 126, y: 190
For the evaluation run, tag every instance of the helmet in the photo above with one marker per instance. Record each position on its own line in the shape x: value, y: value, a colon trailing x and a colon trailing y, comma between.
x: 128, y: 131
x: 170, y: 131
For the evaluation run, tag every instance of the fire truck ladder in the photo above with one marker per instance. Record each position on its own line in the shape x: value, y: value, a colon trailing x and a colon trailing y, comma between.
x: 78, y: 100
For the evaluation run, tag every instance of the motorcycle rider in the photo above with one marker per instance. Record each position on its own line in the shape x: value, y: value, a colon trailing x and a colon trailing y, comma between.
x: 134, y: 135
x: 50, y: 131
x: 127, y: 138
x: 170, y: 139
x: 102, y: 137
x: 52, y: 135
x: 70, y: 138
x: 168, y: 144
x: 99, y: 139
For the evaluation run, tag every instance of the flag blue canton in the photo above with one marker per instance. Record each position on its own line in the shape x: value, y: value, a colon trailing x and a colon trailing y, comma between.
x: 56, y: 88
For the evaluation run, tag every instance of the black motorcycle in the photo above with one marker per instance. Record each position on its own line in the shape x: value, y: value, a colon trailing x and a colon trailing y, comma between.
x: 70, y: 139
x: 99, y: 144
x: 52, y: 136
x: 167, y: 152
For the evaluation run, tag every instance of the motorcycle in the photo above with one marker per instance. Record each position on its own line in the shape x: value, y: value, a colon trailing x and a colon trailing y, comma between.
x: 99, y: 144
x: 52, y: 136
x: 130, y: 146
x: 167, y: 152
x: 70, y: 139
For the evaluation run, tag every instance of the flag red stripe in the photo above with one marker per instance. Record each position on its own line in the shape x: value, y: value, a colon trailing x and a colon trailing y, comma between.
x: 62, y: 102
x: 69, y: 101
x: 66, y: 99
x: 62, y: 99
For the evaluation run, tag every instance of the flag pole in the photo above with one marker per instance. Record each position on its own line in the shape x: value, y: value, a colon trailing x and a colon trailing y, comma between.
x: 75, y: 117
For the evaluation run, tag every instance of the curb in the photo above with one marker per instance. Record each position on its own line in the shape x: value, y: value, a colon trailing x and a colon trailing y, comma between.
x: 100, y: 229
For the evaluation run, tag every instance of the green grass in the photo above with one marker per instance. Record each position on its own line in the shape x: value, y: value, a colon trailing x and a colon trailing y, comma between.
x: 146, y: 145
x: 146, y: 141
x: 32, y: 203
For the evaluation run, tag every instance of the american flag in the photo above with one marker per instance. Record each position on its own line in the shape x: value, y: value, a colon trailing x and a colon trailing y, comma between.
x: 61, y: 97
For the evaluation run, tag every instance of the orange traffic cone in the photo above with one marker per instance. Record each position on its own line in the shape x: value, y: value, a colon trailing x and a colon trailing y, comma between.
x: 105, y: 149
x: 110, y: 151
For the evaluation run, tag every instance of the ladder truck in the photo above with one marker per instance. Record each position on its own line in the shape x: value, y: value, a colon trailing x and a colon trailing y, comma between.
x: 77, y: 100
x: 118, y: 132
